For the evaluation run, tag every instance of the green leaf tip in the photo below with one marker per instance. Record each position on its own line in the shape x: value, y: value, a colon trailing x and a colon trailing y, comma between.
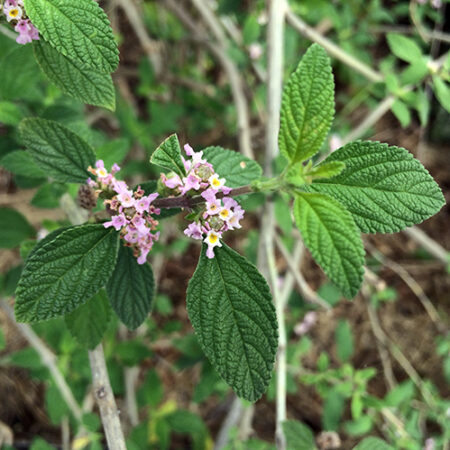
x: 57, y: 150
x: 89, y: 322
x: 79, y: 30
x: 74, y: 78
x: 333, y: 239
x: 230, y: 307
x: 131, y: 289
x: 307, y: 107
x: 384, y: 187
x: 168, y: 156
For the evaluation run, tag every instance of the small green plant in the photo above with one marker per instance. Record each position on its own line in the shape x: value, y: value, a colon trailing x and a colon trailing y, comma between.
x: 85, y: 272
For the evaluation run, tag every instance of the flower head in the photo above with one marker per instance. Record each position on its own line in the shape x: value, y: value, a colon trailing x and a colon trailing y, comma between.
x: 134, y: 211
x: 16, y: 14
x: 218, y: 213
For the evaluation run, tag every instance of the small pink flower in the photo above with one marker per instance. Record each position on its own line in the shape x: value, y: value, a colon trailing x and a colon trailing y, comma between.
x: 142, y: 204
x: 143, y: 256
x: 173, y: 182
x: 115, y: 168
x: 209, y: 195
x: 117, y: 222
x: 196, y: 156
x: 119, y: 186
x: 233, y: 222
x: 126, y: 198
x: 194, y: 231
x: 190, y: 182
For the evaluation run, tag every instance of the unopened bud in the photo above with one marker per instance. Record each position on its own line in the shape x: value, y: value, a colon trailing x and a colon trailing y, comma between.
x: 203, y: 171
x: 216, y: 223
x: 86, y: 197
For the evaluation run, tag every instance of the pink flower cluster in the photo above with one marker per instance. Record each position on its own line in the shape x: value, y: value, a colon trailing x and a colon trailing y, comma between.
x: 132, y: 211
x: 15, y: 13
x: 219, y: 213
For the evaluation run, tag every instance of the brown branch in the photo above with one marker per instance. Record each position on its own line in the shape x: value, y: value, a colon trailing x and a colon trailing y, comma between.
x: 187, y: 202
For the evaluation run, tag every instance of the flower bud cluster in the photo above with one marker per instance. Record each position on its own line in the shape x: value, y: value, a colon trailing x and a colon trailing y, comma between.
x: 15, y: 13
x: 132, y: 212
x: 219, y: 213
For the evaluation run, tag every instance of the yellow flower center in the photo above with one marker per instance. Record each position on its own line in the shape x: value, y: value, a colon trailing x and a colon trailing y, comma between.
x: 13, y: 13
x: 213, y: 238
x: 224, y: 213
x: 101, y: 172
x: 215, y: 182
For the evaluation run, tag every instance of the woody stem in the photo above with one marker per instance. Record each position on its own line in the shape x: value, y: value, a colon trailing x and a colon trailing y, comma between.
x: 187, y: 202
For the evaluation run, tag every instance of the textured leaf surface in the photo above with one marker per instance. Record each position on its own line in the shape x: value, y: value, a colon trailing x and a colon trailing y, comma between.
x: 89, y: 322
x: 384, y: 187
x: 298, y: 436
x: 49, y: 238
x: 14, y: 228
x: 57, y: 150
x: 64, y: 273
x: 74, y: 78
x: 307, y: 107
x: 168, y: 155
x: 332, y: 238
x: 373, y: 443
x: 131, y: 289
x: 20, y: 162
x: 230, y: 307
x: 78, y: 29
x: 235, y: 168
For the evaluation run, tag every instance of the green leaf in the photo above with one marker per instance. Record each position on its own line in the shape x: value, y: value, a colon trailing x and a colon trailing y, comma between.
x: 326, y: 169
x: 131, y: 289
x: 238, y: 170
x: 333, y: 239
x: 48, y: 195
x: 10, y: 113
x: 61, y: 153
x: 20, y: 162
x: 64, y: 273
x: 442, y: 92
x: 384, y: 187
x: 19, y: 74
x: 401, y: 111
x: 89, y: 322
x: 113, y: 151
x: 298, y: 436
x: 74, y: 78
x: 373, y: 443
x: 307, y: 108
x: 15, y: 228
x: 230, y: 307
x: 344, y: 341
x: 404, y: 48
x: 80, y: 31
x: 168, y: 155
x: 415, y: 72
x: 49, y: 238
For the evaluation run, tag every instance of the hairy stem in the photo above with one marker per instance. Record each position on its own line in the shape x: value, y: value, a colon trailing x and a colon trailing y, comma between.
x: 185, y: 201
